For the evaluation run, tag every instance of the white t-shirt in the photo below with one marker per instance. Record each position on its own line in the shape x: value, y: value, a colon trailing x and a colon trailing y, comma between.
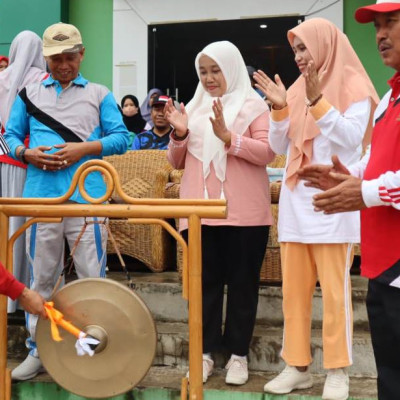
x: 341, y: 135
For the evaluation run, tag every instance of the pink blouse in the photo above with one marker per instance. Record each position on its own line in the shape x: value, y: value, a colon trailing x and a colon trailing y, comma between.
x: 246, y: 186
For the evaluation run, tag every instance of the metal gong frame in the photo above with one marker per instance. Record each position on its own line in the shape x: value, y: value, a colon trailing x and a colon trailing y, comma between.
x: 138, y: 211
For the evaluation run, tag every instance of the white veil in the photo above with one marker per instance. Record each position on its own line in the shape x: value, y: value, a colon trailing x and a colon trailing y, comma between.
x: 241, y: 106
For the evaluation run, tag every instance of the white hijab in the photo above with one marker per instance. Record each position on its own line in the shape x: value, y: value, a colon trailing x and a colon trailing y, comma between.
x: 241, y: 106
x: 27, y: 65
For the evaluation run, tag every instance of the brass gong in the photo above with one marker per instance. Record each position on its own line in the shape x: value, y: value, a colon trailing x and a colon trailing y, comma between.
x: 111, y: 313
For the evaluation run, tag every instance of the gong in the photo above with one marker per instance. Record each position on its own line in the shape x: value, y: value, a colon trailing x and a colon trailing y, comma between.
x: 119, y: 319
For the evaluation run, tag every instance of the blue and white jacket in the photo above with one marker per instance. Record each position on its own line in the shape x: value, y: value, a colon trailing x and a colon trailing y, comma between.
x: 83, y: 111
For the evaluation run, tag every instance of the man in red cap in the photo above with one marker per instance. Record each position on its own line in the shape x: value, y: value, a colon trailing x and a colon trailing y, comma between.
x: 373, y: 186
x: 157, y: 138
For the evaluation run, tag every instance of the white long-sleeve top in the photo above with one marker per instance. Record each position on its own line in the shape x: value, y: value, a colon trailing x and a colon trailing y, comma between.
x: 385, y: 190
x: 340, y: 134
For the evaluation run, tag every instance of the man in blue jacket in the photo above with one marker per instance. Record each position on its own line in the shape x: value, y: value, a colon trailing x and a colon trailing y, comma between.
x: 70, y: 120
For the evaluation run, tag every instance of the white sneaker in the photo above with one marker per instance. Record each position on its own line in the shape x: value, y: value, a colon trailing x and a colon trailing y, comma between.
x: 238, y: 373
x: 289, y: 379
x: 28, y: 369
x: 336, y: 385
x: 208, y: 366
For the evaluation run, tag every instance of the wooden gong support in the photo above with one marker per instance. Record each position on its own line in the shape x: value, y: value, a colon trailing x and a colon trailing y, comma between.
x: 135, y: 209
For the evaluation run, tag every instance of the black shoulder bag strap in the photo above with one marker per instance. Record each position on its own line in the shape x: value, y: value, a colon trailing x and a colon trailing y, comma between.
x: 50, y: 122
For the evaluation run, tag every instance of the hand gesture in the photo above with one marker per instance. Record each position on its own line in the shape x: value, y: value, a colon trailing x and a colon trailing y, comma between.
x: 218, y: 122
x: 323, y: 176
x: 346, y: 196
x: 42, y: 160
x: 70, y: 152
x: 179, y: 120
x: 313, y: 89
x: 275, y: 91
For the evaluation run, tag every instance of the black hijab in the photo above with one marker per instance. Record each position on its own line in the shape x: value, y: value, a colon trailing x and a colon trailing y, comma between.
x: 135, y: 123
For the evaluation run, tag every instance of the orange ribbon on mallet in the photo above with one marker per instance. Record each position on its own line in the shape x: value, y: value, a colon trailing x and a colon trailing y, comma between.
x: 57, y: 318
x: 85, y: 344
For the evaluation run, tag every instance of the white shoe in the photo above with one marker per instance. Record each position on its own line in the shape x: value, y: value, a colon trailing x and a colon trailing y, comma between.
x: 336, y: 385
x: 289, y: 379
x: 28, y: 369
x: 208, y: 366
x: 238, y: 373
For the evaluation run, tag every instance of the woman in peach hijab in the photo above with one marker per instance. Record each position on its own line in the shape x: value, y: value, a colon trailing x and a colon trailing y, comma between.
x: 325, y: 112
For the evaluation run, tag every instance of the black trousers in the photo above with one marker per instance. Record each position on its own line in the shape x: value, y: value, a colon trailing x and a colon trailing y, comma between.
x: 233, y: 256
x: 383, y: 306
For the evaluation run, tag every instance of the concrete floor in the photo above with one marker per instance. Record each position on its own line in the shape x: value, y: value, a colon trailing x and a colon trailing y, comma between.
x: 169, y: 378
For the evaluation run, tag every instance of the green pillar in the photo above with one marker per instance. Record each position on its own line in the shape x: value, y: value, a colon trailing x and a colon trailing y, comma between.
x: 362, y: 38
x: 36, y: 16
x: 94, y: 19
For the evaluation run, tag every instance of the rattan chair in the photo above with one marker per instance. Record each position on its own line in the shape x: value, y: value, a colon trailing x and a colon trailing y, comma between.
x: 143, y: 174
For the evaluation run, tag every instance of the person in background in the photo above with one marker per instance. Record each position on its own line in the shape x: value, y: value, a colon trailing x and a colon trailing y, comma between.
x: 131, y: 114
x: 332, y: 120
x: 70, y: 120
x: 3, y: 63
x: 27, y: 65
x: 221, y: 140
x: 251, y: 70
x: 373, y: 186
x: 158, y: 136
x: 145, y: 108
x: 31, y: 301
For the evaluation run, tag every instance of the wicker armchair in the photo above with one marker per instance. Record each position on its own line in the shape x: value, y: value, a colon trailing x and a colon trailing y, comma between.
x: 143, y: 174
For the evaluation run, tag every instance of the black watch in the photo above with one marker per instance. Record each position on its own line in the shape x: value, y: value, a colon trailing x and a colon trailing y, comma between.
x: 21, y: 155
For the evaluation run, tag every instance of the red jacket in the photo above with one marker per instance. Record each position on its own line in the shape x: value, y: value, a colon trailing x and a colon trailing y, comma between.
x: 9, y: 286
x: 380, y: 239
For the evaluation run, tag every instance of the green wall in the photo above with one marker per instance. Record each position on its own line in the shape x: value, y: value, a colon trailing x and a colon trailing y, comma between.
x: 362, y: 37
x: 94, y: 19
x: 19, y: 15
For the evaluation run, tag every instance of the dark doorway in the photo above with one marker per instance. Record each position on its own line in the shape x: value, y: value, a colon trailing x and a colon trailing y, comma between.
x: 173, y: 48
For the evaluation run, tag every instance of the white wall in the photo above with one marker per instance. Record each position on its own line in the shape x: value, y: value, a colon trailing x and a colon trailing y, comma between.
x: 131, y: 18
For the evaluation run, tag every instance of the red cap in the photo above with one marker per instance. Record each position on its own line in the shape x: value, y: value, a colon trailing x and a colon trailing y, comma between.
x: 367, y: 14
x: 161, y: 99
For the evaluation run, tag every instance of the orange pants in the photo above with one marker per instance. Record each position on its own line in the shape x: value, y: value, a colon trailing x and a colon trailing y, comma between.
x: 302, y: 265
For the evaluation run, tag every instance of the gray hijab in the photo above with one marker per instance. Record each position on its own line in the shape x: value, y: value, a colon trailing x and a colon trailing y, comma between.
x: 27, y: 65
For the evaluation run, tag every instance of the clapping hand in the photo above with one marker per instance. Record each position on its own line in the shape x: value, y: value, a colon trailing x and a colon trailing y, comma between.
x: 275, y: 91
x: 179, y: 120
x: 323, y: 177
x: 313, y: 90
x: 218, y: 122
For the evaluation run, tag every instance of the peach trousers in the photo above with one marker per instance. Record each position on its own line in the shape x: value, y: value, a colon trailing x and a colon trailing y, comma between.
x: 302, y: 265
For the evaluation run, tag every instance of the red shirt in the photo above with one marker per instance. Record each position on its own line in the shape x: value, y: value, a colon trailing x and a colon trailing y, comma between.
x: 380, y: 239
x: 9, y: 286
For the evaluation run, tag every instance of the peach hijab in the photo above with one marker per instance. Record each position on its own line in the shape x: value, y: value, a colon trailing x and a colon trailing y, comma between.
x: 343, y: 81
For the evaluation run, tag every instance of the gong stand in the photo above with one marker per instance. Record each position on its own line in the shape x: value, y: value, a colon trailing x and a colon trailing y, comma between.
x: 143, y: 211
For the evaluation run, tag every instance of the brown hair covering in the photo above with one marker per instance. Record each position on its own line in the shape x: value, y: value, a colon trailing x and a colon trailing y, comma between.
x: 343, y: 81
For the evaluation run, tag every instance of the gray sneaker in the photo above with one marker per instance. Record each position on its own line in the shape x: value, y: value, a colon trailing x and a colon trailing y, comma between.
x: 238, y: 373
x: 289, y: 379
x: 208, y: 366
x: 336, y: 385
x: 28, y: 369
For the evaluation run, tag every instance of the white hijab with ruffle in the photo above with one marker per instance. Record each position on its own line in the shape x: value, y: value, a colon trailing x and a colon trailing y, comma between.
x: 241, y: 106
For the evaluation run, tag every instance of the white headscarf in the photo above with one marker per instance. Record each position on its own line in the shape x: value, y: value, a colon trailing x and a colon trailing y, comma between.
x: 27, y: 65
x: 241, y: 106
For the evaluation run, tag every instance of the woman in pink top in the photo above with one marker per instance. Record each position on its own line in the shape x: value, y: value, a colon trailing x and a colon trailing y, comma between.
x: 221, y: 139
